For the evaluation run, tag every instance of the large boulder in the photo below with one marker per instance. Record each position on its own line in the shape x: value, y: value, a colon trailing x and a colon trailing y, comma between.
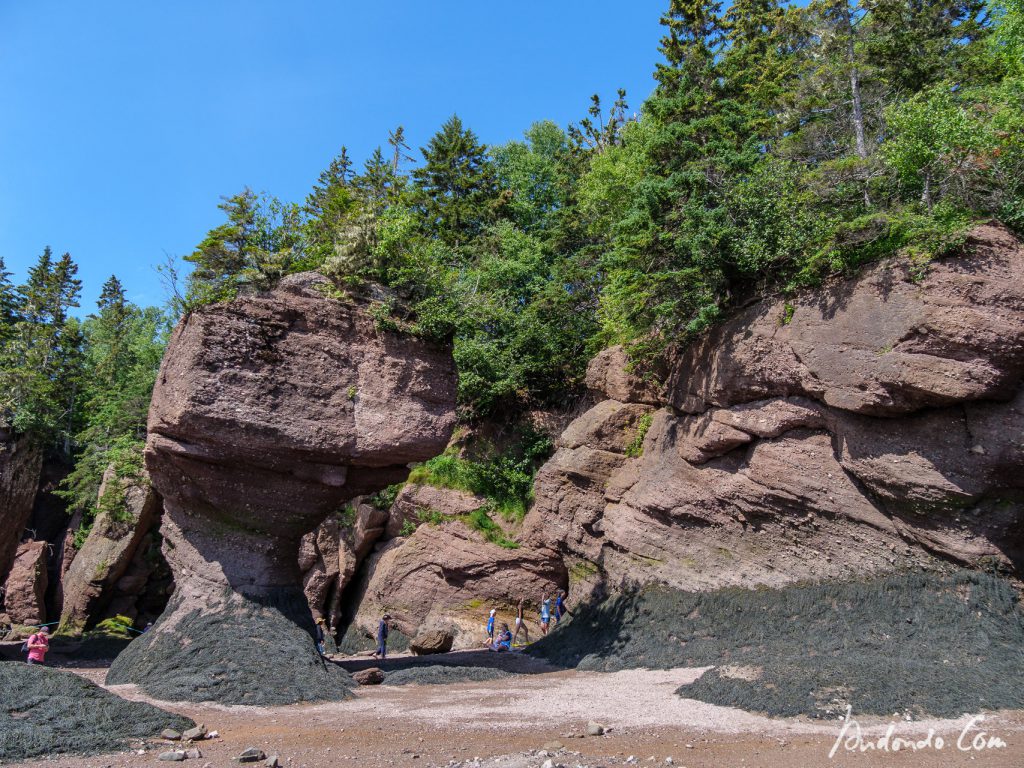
x: 867, y: 427
x: 26, y: 584
x: 20, y: 465
x: 269, y: 413
x: 129, y: 510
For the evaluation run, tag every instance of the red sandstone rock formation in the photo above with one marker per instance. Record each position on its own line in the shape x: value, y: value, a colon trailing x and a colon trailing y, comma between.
x: 269, y: 413
x: 864, y: 427
x: 20, y: 464
x: 26, y: 584
x: 93, y: 584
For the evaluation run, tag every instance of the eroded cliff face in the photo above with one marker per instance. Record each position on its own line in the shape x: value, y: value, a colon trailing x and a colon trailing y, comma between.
x: 269, y: 413
x: 20, y: 464
x: 868, y: 426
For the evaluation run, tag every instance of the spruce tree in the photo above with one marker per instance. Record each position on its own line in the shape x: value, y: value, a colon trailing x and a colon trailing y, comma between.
x: 457, y: 190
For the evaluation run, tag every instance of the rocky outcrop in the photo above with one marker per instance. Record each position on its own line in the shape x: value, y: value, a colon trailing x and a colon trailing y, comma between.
x: 446, y: 576
x: 865, y: 427
x: 20, y: 464
x: 26, y: 584
x: 885, y: 343
x: 330, y: 556
x: 110, y: 571
x: 269, y: 413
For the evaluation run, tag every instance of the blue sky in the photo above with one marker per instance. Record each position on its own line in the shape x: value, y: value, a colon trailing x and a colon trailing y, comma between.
x: 121, y: 123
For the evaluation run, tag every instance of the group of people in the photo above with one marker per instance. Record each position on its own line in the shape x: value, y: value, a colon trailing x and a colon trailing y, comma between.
x: 502, y: 640
x: 505, y: 639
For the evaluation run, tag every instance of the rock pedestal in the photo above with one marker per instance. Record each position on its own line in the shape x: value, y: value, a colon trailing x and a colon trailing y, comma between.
x: 269, y: 413
x: 26, y: 585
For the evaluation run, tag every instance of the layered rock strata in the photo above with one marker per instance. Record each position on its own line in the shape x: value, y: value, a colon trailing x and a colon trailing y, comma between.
x: 269, y: 413
x: 869, y: 426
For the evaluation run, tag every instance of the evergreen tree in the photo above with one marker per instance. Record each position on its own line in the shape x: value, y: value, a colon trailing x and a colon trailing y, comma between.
x: 457, y: 190
x: 399, y: 149
x: 40, y: 369
x: 8, y: 305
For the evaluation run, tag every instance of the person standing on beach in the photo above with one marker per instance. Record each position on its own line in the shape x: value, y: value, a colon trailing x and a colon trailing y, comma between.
x: 559, y: 607
x: 319, y: 636
x: 38, y: 645
x: 545, y: 614
x: 382, y: 637
x: 490, y: 625
x: 521, y: 622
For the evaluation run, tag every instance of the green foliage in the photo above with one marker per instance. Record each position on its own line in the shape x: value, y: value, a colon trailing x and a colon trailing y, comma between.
x: 385, y: 498
x: 408, y: 528
x: 346, y: 516
x: 480, y: 520
x: 40, y: 361
x: 635, y: 449
x: 505, y: 478
x: 118, y: 626
x: 259, y: 243
x: 431, y: 516
x: 783, y: 144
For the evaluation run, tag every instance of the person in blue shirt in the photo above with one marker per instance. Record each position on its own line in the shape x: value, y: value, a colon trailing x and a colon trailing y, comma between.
x: 559, y: 607
x: 503, y: 641
x: 490, y: 625
x: 545, y: 614
x: 382, y: 637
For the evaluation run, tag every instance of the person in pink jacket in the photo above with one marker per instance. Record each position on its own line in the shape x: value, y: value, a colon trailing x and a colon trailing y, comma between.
x: 38, y: 645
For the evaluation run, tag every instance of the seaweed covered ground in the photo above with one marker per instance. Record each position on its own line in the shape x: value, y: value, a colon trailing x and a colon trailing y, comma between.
x: 47, y: 712
x: 467, y: 666
x: 923, y: 643
x: 440, y: 674
x: 248, y: 653
x: 357, y: 642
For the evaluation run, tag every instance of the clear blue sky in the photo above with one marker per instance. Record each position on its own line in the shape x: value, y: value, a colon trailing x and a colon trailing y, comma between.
x: 121, y: 123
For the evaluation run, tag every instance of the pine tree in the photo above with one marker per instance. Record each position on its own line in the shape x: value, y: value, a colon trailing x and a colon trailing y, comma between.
x: 399, y: 149
x: 457, y: 190
x: 330, y: 207
x: 8, y: 304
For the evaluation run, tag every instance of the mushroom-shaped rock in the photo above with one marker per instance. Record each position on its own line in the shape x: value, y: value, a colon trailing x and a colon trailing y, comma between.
x: 268, y: 414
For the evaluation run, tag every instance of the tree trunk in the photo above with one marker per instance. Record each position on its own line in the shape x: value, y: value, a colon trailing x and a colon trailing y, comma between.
x: 858, y: 110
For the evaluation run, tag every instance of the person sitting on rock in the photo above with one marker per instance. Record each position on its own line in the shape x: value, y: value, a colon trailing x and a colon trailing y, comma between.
x: 382, y: 637
x: 504, y: 640
x: 521, y: 622
x: 38, y: 645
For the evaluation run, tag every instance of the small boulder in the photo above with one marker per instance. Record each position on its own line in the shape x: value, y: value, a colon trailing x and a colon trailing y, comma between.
x: 176, y: 756
x: 371, y: 676
x: 596, y: 729
x: 170, y: 734
x: 195, y: 734
x: 273, y: 762
x: 431, y: 641
x: 251, y: 755
x: 193, y: 753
